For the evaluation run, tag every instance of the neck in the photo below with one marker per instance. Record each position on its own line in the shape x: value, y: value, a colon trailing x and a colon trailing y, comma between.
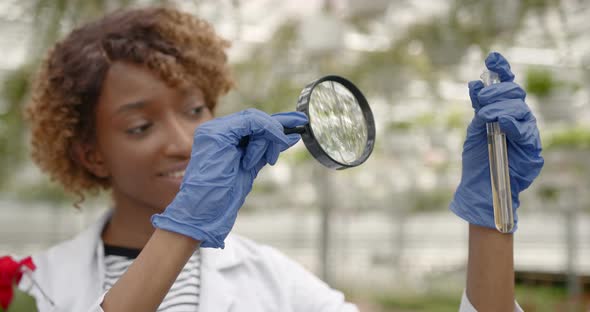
x: 130, y: 224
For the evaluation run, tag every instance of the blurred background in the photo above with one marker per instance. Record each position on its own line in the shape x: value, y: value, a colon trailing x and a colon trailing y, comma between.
x: 380, y: 232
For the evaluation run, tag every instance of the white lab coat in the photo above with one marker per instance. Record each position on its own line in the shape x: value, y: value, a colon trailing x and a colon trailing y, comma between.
x: 243, y: 277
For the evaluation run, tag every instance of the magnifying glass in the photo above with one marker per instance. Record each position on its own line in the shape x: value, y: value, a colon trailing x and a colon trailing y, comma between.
x: 341, y: 129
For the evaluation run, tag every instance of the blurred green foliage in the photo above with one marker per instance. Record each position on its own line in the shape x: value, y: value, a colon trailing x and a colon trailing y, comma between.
x: 42, y: 190
x: 14, y: 90
x: 542, y: 298
x: 542, y: 82
x: 530, y: 298
x: 539, y: 82
x: 455, y: 120
x: 451, y: 119
x: 420, y: 302
x: 571, y: 138
x: 549, y: 193
x: 399, y: 125
x: 432, y: 200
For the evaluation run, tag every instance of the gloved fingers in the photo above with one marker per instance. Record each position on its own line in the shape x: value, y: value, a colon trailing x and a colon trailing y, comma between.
x: 274, y: 150
x: 261, y: 150
x: 525, y: 165
x: 264, y: 126
x: 258, y: 167
x: 524, y: 133
x: 264, y: 121
x: 248, y: 122
x: 291, y: 119
x: 271, y: 156
x: 255, y: 151
x: 272, y: 153
x: 515, y: 130
x: 500, y: 92
x: 516, y: 108
x: 498, y: 64
x: 474, y: 89
x: 293, y: 139
x: 477, y: 127
x: 244, y: 123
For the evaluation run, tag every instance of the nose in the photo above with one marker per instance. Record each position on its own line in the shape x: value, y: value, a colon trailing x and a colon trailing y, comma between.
x: 179, y: 138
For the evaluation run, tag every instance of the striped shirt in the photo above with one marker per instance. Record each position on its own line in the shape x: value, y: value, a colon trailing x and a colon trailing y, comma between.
x: 183, y: 296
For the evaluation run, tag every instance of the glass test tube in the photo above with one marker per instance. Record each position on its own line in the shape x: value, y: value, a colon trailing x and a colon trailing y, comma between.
x: 499, y: 171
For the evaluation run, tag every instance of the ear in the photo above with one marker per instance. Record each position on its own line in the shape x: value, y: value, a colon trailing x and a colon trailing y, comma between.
x: 90, y: 158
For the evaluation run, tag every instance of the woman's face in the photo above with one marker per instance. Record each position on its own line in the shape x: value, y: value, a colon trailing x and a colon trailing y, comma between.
x: 144, y: 132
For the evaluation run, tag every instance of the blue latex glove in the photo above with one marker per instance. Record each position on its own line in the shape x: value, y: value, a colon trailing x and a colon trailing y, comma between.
x: 502, y: 102
x: 220, y: 173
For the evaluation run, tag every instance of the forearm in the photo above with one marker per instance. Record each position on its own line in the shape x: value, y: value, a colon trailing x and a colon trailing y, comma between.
x: 490, y: 270
x: 149, y: 278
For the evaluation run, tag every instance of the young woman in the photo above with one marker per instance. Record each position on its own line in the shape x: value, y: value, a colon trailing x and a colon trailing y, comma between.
x: 126, y: 104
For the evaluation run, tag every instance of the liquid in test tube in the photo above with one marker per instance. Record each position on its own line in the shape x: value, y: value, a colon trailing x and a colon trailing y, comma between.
x: 499, y: 171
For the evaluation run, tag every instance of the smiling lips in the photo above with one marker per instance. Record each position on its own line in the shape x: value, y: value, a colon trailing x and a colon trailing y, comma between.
x: 174, y: 174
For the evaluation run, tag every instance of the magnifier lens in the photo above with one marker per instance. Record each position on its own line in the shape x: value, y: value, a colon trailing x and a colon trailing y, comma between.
x: 338, y: 122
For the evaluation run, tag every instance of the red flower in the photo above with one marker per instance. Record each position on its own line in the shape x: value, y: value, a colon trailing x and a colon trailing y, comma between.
x: 11, y: 273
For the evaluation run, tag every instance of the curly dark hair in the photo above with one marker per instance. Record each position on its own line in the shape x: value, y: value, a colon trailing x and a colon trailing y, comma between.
x: 182, y: 49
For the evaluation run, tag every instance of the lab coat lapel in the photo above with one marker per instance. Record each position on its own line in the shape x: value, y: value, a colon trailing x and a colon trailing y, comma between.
x: 76, y: 264
x: 218, y: 293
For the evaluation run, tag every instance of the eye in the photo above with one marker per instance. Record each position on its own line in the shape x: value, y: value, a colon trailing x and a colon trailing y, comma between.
x: 196, y: 111
x: 139, y: 129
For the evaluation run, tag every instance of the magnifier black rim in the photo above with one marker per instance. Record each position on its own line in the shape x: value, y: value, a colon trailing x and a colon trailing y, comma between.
x: 308, y: 136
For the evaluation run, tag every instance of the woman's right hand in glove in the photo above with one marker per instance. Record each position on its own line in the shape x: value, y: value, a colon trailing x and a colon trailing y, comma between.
x: 220, y: 173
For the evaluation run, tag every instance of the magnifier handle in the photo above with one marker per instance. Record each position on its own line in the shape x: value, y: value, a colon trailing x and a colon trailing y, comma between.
x: 299, y: 129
